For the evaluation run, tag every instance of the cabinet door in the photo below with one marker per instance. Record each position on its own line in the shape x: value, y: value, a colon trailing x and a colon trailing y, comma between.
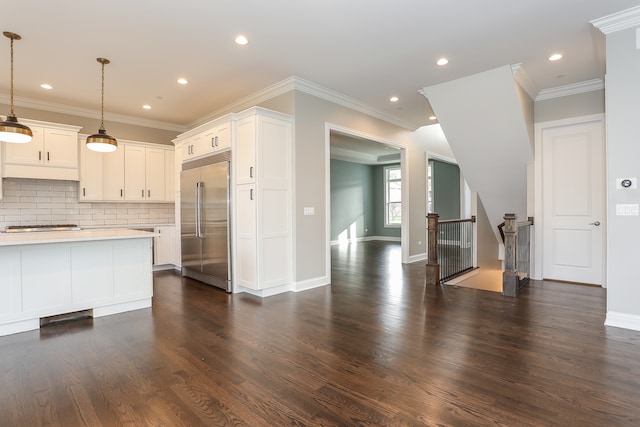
x: 90, y: 174
x: 188, y: 149
x: 245, y: 149
x: 46, y: 278
x: 60, y: 148
x: 154, y: 174
x: 30, y: 153
x: 134, y: 172
x: 223, y: 140
x: 113, y: 175
x: 245, y: 258
x: 169, y: 176
x: 164, y: 246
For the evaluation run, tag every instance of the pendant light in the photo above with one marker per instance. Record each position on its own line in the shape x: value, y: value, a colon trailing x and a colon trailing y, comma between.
x: 10, y: 129
x: 101, y: 141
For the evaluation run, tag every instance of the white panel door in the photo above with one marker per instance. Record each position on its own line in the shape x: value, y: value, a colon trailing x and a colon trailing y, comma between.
x: 573, y: 203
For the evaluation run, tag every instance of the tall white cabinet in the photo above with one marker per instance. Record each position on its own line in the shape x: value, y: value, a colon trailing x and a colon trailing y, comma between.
x: 261, y: 143
x: 263, y: 199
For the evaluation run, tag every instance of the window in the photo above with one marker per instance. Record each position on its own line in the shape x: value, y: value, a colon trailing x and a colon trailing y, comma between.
x: 392, y: 196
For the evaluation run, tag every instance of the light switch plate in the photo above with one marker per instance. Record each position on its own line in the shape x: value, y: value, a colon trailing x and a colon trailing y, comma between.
x: 309, y: 211
x: 627, y: 210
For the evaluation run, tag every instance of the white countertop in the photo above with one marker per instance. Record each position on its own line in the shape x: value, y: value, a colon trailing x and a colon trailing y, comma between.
x: 12, y: 239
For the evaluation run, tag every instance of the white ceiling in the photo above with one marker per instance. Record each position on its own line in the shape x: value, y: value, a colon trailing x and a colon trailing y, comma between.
x: 368, y: 50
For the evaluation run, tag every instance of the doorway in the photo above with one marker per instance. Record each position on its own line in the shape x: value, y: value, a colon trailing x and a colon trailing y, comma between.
x: 355, y: 182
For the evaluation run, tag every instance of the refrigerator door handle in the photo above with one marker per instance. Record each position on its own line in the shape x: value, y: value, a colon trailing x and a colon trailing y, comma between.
x: 197, y: 210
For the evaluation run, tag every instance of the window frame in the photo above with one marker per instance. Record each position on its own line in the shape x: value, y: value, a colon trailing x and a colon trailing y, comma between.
x: 387, y: 182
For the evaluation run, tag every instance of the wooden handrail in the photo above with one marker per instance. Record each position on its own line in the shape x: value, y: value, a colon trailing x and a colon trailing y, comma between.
x: 456, y: 221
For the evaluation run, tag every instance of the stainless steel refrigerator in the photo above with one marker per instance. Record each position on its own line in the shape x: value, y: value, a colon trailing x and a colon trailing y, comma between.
x: 205, y: 212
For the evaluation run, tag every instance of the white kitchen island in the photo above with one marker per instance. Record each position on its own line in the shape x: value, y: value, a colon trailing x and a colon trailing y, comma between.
x: 46, y: 274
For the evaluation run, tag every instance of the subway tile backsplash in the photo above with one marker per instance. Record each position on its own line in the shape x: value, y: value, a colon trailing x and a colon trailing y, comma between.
x: 46, y: 202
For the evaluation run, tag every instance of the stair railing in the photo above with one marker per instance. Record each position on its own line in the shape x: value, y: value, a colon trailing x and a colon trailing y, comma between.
x: 450, y: 248
x: 517, y: 254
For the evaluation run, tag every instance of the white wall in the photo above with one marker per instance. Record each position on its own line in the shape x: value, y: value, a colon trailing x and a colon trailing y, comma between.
x: 623, y: 160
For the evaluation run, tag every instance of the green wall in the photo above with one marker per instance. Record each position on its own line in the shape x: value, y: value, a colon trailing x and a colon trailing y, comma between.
x: 446, y: 189
x: 357, y: 201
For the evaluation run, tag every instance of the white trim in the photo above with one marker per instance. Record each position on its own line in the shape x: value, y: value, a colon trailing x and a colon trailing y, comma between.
x: 539, y: 221
x: 440, y: 157
x: 367, y: 239
x: 571, y: 89
x: 296, y: 83
x: 305, y: 285
x: 418, y: 257
x: 618, y: 21
x: 523, y: 79
x: 623, y: 320
x: 92, y: 114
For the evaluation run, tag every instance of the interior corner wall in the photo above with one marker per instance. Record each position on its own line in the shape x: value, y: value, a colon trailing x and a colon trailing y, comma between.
x: 90, y: 126
x: 623, y: 152
x: 311, y: 115
x: 352, y: 209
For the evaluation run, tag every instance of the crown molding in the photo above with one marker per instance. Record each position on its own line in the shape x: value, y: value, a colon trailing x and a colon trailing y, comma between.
x: 93, y: 114
x: 352, y: 156
x: 523, y: 79
x: 571, y: 89
x: 618, y: 21
x: 296, y: 83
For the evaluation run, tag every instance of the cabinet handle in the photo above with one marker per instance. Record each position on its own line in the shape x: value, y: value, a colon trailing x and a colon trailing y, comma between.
x: 251, y: 194
x: 143, y: 193
x: 121, y: 192
x: 84, y: 193
x: 39, y: 155
x: 251, y: 172
x: 47, y: 156
x: 148, y: 193
x: 216, y: 141
x: 213, y: 141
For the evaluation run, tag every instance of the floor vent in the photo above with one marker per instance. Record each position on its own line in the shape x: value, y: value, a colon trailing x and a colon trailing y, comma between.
x: 66, y: 317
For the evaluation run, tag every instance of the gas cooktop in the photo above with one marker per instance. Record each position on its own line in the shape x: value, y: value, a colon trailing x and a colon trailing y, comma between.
x: 32, y: 228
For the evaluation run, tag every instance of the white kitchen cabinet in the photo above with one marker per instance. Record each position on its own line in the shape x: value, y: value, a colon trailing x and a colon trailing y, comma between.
x: 164, y: 245
x: 51, y: 154
x: 169, y: 176
x: 144, y: 173
x: 263, y: 199
x: 90, y: 173
x: 216, y: 139
x: 108, y: 274
x: 191, y: 148
x: 113, y: 175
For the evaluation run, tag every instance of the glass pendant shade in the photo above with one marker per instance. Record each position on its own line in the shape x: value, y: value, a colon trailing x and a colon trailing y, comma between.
x: 102, y: 142
x: 12, y: 131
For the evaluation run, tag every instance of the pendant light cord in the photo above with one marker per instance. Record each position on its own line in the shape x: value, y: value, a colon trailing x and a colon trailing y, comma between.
x: 11, y: 87
x: 102, y: 103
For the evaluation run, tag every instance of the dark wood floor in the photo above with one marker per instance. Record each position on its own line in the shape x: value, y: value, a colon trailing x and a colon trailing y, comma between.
x: 376, y: 348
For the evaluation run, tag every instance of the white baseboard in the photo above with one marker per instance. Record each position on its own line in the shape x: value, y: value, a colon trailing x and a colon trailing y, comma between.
x: 311, y: 284
x: 623, y: 320
x: 367, y: 239
x: 418, y: 257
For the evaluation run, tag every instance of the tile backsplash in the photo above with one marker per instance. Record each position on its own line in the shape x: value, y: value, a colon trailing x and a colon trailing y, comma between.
x: 46, y: 202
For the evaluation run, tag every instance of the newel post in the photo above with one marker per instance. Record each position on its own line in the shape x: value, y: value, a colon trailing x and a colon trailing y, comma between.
x: 433, y: 267
x: 510, y: 273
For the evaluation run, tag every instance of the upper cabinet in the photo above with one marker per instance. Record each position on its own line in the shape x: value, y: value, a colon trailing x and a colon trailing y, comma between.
x: 51, y: 154
x: 138, y: 172
x: 210, y: 138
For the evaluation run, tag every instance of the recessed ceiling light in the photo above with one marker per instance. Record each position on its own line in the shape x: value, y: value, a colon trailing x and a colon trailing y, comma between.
x: 182, y: 81
x: 46, y: 86
x: 432, y: 118
x: 146, y: 107
x: 555, y: 57
x: 394, y: 99
x: 442, y: 61
x: 241, y: 40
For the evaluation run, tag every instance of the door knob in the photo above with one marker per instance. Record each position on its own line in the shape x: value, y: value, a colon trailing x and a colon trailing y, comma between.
x: 597, y: 223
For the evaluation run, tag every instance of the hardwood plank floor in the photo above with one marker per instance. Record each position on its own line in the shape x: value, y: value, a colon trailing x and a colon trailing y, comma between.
x: 376, y: 348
